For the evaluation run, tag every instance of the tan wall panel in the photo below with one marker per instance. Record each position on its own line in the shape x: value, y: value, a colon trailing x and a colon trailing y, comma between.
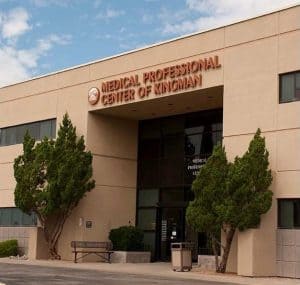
x: 74, y: 101
x: 251, y: 30
x: 110, y: 136
x: 238, y: 145
x: 7, y: 179
x: 288, y: 150
x: 250, y: 87
x: 7, y: 198
x: 264, y: 243
x: 73, y: 76
x: 288, y: 115
x: 35, y: 86
x: 107, y: 207
x: 114, y: 171
x: 29, y: 109
x: 288, y: 184
x: 289, y: 19
x: 245, y: 253
x: 9, y: 153
x: 288, y: 52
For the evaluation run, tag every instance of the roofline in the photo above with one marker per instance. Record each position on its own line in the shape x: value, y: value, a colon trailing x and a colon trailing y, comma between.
x: 154, y: 45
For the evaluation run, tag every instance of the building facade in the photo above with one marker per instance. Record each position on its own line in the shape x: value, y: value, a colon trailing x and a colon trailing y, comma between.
x: 150, y: 117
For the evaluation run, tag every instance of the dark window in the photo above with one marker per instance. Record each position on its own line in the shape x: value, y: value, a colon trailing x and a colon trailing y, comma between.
x: 171, y: 152
x: 289, y: 213
x: 289, y: 87
x: 38, y: 130
x: 14, y: 217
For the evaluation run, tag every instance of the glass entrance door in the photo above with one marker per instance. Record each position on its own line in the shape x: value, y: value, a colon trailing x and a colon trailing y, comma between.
x: 171, y: 230
x: 171, y: 152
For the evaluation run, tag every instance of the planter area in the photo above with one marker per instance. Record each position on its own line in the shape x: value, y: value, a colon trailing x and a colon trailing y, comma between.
x: 131, y: 257
x: 206, y: 261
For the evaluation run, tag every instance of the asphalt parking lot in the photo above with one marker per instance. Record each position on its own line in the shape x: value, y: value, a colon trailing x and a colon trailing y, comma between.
x: 15, y: 274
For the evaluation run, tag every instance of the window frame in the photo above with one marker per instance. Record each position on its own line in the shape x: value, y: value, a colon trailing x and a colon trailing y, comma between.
x: 279, y: 222
x: 27, y: 126
x: 280, y: 86
x: 11, y: 221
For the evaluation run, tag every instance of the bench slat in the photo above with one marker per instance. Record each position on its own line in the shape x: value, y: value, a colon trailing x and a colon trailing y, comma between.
x: 92, y: 246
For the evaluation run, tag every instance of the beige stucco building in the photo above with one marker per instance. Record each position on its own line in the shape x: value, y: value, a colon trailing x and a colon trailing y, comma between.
x: 151, y: 116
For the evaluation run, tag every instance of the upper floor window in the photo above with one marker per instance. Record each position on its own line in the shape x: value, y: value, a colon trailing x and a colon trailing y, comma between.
x: 289, y: 87
x: 38, y: 130
x: 14, y: 217
x: 289, y: 213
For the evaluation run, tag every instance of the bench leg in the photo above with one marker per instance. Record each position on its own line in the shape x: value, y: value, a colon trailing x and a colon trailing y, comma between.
x: 75, y: 260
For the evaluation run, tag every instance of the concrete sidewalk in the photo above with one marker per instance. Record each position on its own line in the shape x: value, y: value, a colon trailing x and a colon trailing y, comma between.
x: 156, y: 269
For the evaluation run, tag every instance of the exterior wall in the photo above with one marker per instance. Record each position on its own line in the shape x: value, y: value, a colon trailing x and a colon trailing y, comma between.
x: 288, y: 253
x: 252, y: 54
x: 21, y: 234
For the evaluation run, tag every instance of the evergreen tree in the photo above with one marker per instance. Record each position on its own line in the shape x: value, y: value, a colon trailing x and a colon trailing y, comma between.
x: 52, y: 177
x: 209, y: 188
x: 241, y: 197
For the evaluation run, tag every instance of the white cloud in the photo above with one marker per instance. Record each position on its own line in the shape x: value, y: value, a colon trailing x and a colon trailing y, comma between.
x: 109, y: 14
x: 45, y: 3
x: 14, y: 23
x: 18, y: 63
x: 214, y: 13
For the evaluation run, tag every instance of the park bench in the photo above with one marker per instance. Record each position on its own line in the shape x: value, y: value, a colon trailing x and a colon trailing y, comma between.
x: 101, y: 249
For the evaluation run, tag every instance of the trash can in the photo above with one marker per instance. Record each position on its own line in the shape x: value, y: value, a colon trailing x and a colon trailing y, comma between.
x: 181, y: 256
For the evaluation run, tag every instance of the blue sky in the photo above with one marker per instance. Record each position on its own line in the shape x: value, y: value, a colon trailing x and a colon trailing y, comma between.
x: 42, y: 36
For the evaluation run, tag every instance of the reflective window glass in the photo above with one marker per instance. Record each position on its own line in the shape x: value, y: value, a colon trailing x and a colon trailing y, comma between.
x: 172, y: 146
x: 53, y: 128
x: 194, y: 130
x: 149, y: 174
x: 21, y: 130
x: 16, y: 217
x: 15, y: 134
x: 34, y: 130
x: 147, y: 219
x: 150, y: 129
x: 297, y: 213
x: 289, y: 213
x: 2, y: 137
x: 193, y: 144
x: 149, y: 241
x: 289, y: 87
x: 149, y: 149
x: 149, y: 197
x: 169, y: 195
x: 172, y: 125
x: 45, y: 129
x: 5, y: 217
x: 171, y: 172
x: 11, y: 136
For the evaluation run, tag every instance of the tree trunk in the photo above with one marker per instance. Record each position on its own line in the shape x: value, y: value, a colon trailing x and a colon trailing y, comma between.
x: 215, y: 251
x: 52, y: 234
x: 229, y: 237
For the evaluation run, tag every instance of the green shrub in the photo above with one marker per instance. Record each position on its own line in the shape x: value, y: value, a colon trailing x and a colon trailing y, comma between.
x: 8, y: 248
x: 127, y: 238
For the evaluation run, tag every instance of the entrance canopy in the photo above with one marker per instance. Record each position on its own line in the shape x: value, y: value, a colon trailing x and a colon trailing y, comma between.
x: 204, y: 99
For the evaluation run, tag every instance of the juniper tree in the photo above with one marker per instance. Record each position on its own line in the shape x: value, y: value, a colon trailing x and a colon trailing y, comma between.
x: 209, y: 188
x: 237, y: 194
x: 52, y: 177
